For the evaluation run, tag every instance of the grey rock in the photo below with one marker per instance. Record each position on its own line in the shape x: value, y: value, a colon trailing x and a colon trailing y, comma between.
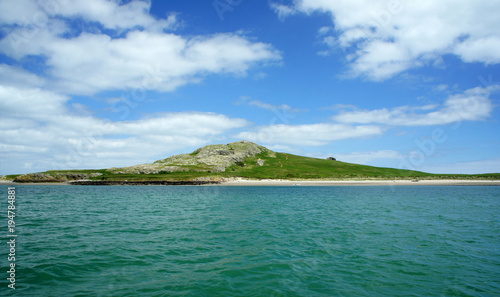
x: 213, y: 158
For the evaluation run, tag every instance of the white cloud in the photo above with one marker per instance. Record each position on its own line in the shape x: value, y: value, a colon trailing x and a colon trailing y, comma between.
x: 91, y: 63
x: 310, y: 135
x: 481, y: 50
x: 23, y: 11
x: 381, y: 60
x: 186, y: 123
x: 14, y: 76
x: 473, y: 105
x: 384, y: 38
x: 368, y: 156
x: 268, y: 106
x: 29, y: 103
x: 324, y: 30
x: 111, y: 14
x: 140, y: 57
x: 285, y: 148
x: 441, y: 87
x: 471, y: 167
x: 283, y: 11
x: 38, y: 127
x: 116, y: 46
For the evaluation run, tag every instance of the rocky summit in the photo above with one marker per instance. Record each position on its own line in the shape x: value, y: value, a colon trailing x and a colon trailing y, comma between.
x: 210, y: 158
x: 217, y: 163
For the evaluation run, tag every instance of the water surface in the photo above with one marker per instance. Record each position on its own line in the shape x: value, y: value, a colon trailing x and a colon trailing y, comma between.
x: 255, y: 241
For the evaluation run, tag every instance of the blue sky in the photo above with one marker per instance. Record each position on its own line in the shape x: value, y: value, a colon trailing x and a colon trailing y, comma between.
x: 397, y: 83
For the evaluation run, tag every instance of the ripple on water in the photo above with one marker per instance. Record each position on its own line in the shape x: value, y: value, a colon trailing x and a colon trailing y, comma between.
x: 259, y: 241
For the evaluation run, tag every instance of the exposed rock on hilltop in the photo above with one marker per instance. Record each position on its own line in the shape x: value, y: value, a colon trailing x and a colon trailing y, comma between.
x: 218, y: 163
x: 210, y: 158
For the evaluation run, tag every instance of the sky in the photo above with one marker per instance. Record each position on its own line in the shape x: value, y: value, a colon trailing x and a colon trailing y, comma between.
x: 89, y: 84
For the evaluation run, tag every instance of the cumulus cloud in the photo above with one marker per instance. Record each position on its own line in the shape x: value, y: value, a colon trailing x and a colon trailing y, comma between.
x: 115, y: 46
x: 20, y: 13
x: 311, y: 135
x: 381, y: 39
x: 27, y: 103
x: 369, y: 156
x: 91, y: 63
x: 15, y: 76
x: 39, y: 128
x: 143, y: 56
x: 264, y: 105
x: 282, y: 10
x: 111, y: 14
x: 480, y: 50
x: 472, y: 105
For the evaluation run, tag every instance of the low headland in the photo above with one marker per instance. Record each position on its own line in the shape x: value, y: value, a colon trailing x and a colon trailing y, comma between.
x: 247, y: 163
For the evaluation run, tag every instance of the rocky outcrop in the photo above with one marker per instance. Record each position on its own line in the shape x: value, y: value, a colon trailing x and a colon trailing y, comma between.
x: 147, y: 169
x: 37, y: 178
x: 74, y: 176
x: 144, y: 183
x: 210, y: 158
x: 55, y: 177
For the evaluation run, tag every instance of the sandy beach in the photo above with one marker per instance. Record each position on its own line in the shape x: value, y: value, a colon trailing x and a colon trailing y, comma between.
x: 271, y: 182
x: 242, y: 182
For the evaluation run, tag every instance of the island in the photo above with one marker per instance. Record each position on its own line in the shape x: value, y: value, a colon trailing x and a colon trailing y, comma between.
x: 247, y: 163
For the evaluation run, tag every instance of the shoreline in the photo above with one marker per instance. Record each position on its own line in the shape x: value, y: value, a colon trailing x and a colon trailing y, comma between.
x: 270, y: 182
x: 442, y: 182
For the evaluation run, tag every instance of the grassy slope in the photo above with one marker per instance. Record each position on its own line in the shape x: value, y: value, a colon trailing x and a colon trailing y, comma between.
x: 286, y: 166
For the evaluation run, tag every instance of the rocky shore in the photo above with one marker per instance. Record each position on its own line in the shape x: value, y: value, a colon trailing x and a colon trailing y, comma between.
x: 144, y: 183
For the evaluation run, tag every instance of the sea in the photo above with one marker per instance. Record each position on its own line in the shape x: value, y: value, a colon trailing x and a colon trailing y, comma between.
x: 251, y: 241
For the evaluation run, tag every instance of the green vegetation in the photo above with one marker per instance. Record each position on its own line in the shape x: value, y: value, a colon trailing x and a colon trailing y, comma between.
x: 248, y: 160
x: 288, y: 166
x: 12, y: 176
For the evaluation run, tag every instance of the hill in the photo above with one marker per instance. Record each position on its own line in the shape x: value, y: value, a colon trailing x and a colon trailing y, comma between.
x: 242, y: 159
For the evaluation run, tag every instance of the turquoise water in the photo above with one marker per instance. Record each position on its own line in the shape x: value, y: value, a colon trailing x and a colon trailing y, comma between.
x: 254, y: 241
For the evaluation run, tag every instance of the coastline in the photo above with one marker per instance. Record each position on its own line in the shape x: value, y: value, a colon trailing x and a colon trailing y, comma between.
x: 11, y: 183
x: 271, y: 182
x: 361, y: 183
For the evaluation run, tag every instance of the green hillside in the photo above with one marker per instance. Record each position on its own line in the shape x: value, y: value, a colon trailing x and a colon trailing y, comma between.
x: 241, y: 159
x: 288, y: 166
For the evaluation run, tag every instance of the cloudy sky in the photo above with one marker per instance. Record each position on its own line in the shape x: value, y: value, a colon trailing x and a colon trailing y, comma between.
x: 395, y: 83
